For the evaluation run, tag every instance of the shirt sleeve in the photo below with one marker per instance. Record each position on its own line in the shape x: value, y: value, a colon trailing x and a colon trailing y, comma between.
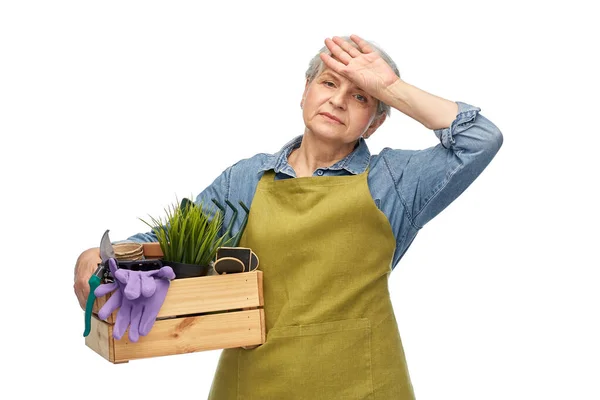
x: 217, y: 190
x: 428, y: 180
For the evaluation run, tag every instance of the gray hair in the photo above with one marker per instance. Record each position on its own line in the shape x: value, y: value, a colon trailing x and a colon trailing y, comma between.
x: 316, y: 66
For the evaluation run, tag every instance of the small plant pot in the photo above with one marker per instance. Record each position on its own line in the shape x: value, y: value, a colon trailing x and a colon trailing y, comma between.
x: 128, y: 251
x: 183, y: 270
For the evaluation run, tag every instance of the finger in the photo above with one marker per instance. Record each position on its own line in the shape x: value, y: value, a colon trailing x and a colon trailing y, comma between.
x: 85, y: 266
x: 166, y: 273
x: 112, y: 266
x: 122, y: 275
x: 332, y: 63
x: 363, y: 45
x: 146, y: 323
x: 337, y: 51
x: 82, y: 281
x: 79, y: 289
x: 153, y: 305
x: 134, y: 285
x: 80, y: 297
x: 134, y: 327
x: 148, y: 285
x: 123, y: 320
x: 348, y: 48
x: 110, y: 306
x: 148, y: 318
x: 105, y: 288
x: 130, y: 280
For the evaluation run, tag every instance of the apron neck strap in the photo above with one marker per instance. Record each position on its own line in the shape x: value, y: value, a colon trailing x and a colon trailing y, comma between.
x: 269, y: 175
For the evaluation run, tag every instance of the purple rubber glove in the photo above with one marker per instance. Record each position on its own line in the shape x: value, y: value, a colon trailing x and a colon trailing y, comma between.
x: 139, y: 295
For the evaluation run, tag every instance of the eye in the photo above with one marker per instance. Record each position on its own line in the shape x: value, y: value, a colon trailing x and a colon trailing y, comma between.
x: 362, y: 98
x: 327, y: 82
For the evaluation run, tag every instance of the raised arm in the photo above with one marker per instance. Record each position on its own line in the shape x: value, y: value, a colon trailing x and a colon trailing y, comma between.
x: 428, y: 180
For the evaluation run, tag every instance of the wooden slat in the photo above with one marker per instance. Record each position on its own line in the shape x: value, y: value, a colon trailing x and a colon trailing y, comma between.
x: 213, y: 293
x: 193, y: 334
x: 100, y: 339
x: 207, y: 294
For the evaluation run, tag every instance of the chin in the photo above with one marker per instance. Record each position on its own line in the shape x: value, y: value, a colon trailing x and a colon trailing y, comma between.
x: 333, y: 137
x: 326, y: 134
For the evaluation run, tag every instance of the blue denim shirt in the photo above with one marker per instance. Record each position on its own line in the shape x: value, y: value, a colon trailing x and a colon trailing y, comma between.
x: 410, y: 187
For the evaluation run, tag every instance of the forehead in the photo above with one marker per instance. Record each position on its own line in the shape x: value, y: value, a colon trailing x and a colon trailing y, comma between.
x: 327, y: 71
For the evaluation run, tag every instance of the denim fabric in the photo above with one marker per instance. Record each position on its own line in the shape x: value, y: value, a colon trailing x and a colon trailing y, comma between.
x: 410, y: 187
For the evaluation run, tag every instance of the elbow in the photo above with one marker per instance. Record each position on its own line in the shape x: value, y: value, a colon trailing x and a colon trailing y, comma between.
x: 480, y: 143
x: 497, y: 137
x: 488, y: 139
x: 489, y: 146
x: 495, y: 140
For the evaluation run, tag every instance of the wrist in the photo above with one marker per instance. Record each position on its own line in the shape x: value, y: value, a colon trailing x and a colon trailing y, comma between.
x: 397, y: 94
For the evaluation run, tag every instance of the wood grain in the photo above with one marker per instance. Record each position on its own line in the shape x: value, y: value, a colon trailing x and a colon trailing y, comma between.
x: 193, y: 334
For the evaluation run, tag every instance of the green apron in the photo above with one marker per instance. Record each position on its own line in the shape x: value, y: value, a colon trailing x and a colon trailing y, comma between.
x: 325, y: 250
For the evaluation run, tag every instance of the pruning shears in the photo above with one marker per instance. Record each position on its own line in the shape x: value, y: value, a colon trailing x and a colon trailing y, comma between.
x: 106, y: 252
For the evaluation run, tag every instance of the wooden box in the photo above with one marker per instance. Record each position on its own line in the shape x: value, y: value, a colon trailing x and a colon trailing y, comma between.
x: 203, y: 313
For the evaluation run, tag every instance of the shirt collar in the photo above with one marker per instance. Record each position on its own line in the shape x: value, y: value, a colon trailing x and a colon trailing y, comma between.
x: 356, y: 162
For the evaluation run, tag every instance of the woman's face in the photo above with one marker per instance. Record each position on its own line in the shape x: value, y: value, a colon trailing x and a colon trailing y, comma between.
x: 331, y: 93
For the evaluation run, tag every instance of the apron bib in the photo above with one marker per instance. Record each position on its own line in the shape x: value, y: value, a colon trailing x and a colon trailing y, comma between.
x: 325, y: 250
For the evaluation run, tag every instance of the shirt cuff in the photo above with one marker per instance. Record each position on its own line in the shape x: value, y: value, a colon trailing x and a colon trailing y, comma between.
x: 466, y: 113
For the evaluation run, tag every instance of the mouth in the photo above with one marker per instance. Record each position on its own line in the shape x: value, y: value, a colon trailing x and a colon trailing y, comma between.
x: 331, y: 118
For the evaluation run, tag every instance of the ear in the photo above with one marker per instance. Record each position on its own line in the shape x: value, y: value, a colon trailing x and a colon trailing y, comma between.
x: 304, y: 94
x: 377, y: 121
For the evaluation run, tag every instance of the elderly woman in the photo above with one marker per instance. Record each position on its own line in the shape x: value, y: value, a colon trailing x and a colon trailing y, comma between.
x: 330, y: 222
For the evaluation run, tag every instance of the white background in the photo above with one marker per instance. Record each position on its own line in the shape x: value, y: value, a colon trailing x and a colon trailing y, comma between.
x: 109, y: 110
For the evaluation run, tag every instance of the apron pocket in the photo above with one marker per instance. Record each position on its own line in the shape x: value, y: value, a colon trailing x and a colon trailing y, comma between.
x: 329, y: 360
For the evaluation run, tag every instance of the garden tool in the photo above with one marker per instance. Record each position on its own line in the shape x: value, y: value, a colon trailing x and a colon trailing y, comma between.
x: 229, y: 240
x: 233, y: 241
x: 106, y: 252
x: 230, y: 258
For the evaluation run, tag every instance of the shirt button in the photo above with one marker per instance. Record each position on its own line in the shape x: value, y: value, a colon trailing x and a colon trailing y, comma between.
x: 319, y: 172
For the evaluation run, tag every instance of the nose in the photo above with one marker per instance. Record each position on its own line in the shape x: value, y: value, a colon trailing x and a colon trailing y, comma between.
x: 338, y: 99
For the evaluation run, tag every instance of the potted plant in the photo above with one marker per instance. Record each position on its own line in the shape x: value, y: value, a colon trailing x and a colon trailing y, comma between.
x: 189, y: 237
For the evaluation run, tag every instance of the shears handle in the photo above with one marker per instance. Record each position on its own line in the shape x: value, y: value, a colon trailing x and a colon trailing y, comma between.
x: 94, y: 282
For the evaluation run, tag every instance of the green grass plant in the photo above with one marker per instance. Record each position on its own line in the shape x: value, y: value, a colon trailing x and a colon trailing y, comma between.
x: 188, y: 234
